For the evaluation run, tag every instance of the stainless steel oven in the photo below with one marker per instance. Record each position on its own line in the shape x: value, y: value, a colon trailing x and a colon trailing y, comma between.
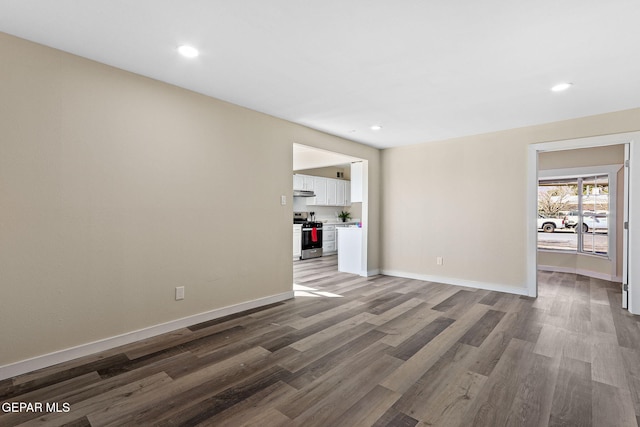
x: 311, y: 240
x: 311, y: 244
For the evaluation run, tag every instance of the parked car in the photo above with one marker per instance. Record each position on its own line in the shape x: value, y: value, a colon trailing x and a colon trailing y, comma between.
x: 571, y: 218
x: 549, y: 225
x: 590, y: 220
x: 595, y: 222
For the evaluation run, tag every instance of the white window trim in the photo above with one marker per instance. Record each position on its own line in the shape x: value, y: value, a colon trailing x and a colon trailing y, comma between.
x: 585, y: 172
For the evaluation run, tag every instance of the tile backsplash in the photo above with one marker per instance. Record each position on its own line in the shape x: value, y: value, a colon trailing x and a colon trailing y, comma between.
x: 329, y: 213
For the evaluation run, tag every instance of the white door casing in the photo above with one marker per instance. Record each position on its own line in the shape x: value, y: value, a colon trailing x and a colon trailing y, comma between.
x: 632, y: 207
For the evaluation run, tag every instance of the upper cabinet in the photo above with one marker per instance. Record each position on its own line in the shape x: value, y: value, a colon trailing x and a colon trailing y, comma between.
x: 347, y: 193
x: 357, y: 177
x: 320, y: 188
x: 309, y: 182
x: 332, y: 190
x: 329, y: 191
x: 340, y: 192
x: 303, y: 182
x: 343, y: 193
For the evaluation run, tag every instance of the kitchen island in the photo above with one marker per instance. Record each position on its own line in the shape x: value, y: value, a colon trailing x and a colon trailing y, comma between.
x: 350, y: 250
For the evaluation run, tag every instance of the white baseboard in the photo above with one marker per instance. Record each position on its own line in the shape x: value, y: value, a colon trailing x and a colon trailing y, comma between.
x: 458, y: 282
x: 373, y: 272
x: 587, y: 273
x: 50, y: 359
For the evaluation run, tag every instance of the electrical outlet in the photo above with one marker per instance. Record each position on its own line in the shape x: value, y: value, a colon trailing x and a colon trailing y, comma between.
x: 179, y: 293
x: 439, y: 260
x: 283, y: 200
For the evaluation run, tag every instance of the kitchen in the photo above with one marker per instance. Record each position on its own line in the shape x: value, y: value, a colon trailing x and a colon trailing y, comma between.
x: 328, y: 208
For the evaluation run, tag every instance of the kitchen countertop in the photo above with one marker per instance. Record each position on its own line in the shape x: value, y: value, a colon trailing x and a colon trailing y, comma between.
x: 332, y: 222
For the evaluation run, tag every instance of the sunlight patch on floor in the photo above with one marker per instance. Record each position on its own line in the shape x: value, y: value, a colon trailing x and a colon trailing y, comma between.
x: 306, y: 291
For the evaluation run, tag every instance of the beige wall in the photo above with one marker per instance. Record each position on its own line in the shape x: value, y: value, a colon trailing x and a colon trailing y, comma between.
x: 465, y: 200
x: 115, y: 189
x: 585, y: 157
x: 328, y: 172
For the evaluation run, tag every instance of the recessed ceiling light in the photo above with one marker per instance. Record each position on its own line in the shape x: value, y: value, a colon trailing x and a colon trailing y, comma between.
x: 188, y: 51
x: 376, y: 127
x: 561, y: 86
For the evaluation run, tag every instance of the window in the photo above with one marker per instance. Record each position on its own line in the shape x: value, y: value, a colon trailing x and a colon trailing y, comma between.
x: 576, y: 213
x: 593, y: 217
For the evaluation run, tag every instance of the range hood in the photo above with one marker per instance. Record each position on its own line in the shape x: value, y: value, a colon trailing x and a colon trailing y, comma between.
x: 303, y: 193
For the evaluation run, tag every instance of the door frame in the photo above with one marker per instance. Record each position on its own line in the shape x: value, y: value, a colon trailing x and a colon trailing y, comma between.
x: 632, y: 205
x: 364, y: 267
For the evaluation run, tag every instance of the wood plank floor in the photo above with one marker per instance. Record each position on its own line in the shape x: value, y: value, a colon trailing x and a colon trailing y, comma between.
x: 378, y: 351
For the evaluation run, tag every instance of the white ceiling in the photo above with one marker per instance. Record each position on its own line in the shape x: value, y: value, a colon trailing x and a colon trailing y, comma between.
x: 424, y: 70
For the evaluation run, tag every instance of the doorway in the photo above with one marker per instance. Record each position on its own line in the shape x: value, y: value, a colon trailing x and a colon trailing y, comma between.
x: 628, y: 241
x: 339, y: 175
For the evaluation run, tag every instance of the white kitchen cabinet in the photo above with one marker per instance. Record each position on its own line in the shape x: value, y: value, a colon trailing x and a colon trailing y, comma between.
x: 343, y: 193
x: 332, y: 192
x: 303, y: 182
x: 347, y: 193
x: 329, y: 245
x: 297, y: 240
x: 329, y: 191
x: 320, y: 188
x: 340, y: 187
x: 309, y: 182
x: 357, y: 177
x: 329, y: 248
